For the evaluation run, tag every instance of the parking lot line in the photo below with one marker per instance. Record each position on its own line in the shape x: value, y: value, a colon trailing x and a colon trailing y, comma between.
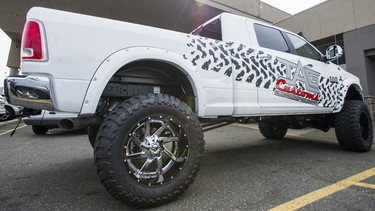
x: 329, y: 190
x: 365, y: 185
x: 294, y: 133
x: 9, y: 131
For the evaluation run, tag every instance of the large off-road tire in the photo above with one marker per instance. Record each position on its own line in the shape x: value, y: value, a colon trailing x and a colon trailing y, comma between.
x: 39, y: 129
x: 273, y: 130
x: 148, y: 150
x: 353, y: 126
x: 92, y: 131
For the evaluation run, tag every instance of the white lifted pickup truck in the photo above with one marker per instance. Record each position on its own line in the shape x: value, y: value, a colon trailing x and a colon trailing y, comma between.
x: 144, y: 91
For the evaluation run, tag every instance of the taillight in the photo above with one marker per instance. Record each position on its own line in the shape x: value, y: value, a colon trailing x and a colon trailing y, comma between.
x: 32, y: 42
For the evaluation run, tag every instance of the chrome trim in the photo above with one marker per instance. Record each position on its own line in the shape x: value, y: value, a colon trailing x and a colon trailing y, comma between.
x: 29, y: 92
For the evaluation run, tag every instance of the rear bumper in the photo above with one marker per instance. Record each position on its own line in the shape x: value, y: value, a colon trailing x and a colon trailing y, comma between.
x: 29, y: 92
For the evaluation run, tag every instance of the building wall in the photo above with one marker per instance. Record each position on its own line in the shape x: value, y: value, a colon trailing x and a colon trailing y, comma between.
x: 249, y: 8
x: 331, y: 17
x: 360, y: 56
x: 272, y: 14
x: 355, y: 21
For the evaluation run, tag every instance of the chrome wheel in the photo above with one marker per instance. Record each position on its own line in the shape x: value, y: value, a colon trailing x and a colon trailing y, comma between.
x: 156, y: 150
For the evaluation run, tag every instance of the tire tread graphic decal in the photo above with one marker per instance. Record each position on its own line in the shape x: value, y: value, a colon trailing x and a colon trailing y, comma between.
x: 255, y: 67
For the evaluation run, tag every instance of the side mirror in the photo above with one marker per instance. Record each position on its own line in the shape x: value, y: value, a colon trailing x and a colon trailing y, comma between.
x: 334, y: 52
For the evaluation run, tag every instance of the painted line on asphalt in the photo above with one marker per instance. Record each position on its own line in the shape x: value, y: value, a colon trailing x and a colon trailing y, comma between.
x: 295, y: 133
x: 251, y: 126
x: 9, y: 131
x: 365, y: 185
x: 327, y: 191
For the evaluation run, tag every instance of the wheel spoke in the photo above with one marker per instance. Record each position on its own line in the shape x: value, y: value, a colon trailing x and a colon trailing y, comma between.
x: 147, y: 128
x: 137, y: 141
x: 159, y: 169
x: 136, y: 155
x: 160, y: 130
x: 169, y: 139
x: 143, y: 168
x: 171, y: 155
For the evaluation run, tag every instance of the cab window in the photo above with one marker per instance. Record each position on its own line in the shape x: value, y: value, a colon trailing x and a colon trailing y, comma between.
x: 303, y: 48
x: 270, y: 38
x: 211, y: 30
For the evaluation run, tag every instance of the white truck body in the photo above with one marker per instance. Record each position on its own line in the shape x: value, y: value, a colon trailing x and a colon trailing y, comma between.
x: 82, y: 57
x: 144, y: 92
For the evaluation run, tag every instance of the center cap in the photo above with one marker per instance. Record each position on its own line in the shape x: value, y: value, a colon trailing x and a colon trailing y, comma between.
x: 154, y: 147
x: 151, y: 140
x: 152, y: 143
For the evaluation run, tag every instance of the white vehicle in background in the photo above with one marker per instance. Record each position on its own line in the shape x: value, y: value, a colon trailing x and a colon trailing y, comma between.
x: 11, y: 111
x: 144, y: 91
x: 2, y: 106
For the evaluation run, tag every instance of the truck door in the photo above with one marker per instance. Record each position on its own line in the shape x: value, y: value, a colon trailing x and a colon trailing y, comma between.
x: 318, y: 76
x: 291, y: 71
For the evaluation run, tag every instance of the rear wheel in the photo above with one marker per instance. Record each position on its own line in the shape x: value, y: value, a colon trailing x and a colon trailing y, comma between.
x: 273, y: 130
x: 148, y: 150
x: 9, y: 114
x: 353, y: 127
x: 39, y: 129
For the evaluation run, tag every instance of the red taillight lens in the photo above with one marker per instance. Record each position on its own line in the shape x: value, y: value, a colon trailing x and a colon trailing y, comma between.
x: 32, y: 43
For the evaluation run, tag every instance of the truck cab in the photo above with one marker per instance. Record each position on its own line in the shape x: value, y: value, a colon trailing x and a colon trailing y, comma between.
x: 283, y: 73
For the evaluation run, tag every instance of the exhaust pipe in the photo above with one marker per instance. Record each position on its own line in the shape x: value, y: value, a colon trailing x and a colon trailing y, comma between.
x: 79, y: 122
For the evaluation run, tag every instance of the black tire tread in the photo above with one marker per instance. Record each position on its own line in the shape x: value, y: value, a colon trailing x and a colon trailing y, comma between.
x: 346, y: 127
x: 92, y: 131
x: 268, y: 131
x: 39, y: 129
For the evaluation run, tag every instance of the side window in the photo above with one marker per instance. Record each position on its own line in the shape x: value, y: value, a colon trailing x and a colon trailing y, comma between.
x: 211, y: 30
x: 303, y: 48
x: 270, y: 38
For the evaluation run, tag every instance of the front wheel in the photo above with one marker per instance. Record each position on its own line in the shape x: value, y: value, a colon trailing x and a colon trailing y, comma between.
x: 148, y: 150
x: 273, y: 130
x: 353, y: 126
x: 92, y: 131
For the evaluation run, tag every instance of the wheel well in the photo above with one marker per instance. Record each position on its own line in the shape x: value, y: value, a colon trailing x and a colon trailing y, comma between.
x: 148, y: 76
x: 9, y: 107
x: 353, y: 94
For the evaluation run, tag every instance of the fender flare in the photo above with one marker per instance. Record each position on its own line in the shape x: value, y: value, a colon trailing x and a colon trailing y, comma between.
x: 346, y: 84
x: 120, y: 58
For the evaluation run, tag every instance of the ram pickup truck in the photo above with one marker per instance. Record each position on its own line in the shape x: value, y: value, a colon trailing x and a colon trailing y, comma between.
x: 144, y: 91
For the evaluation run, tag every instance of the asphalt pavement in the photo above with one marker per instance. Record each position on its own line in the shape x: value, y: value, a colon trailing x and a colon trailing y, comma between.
x: 241, y: 170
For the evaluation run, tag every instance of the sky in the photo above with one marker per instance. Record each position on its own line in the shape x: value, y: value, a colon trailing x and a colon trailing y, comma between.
x: 289, y: 6
x: 293, y: 6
